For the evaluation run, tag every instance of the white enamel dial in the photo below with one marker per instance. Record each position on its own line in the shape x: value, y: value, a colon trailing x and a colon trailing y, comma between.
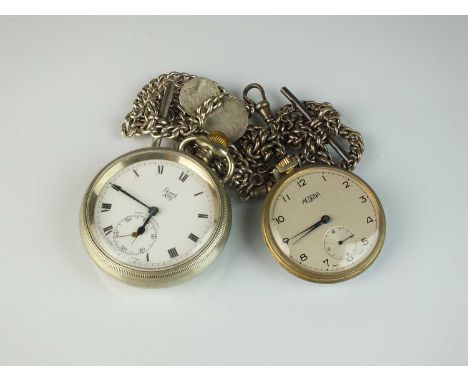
x: 324, y: 220
x: 154, y: 214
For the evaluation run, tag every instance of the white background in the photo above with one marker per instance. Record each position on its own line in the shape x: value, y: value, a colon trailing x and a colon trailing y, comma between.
x: 65, y: 86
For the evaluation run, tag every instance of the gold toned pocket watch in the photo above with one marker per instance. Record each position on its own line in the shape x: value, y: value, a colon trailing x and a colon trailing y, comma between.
x: 319, y: 221
x: 156, y: 216
x: 322, y: 223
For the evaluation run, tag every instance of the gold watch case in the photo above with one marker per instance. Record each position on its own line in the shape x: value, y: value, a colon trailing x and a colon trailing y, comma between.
x: 293, y: 267
x: 170, y: 275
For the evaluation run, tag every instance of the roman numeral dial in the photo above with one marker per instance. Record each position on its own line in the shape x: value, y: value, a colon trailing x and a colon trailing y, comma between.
x: 155, y: 214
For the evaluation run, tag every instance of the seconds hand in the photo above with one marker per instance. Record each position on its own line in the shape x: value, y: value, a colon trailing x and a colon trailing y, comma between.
x: 342, y: 241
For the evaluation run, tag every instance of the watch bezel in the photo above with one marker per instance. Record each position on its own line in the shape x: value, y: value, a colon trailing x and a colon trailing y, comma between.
x: 173, y: 273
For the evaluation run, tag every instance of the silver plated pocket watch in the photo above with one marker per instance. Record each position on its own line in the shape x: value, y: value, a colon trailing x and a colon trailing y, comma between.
x: 156, y: 216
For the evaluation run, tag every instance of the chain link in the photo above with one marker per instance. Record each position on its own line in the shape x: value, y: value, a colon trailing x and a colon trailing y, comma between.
x: 145, y: 119
x: 258, y: 151
x: 288, y: 132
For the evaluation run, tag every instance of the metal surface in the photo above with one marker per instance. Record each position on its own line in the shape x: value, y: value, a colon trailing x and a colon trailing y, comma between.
x: 231, y: 119
x: 168, y: 94
x: 196, y: 91
x: 288, y: 132
x: 163, y: 276
x: 144, y: 116
x: 167, y: 97
x: 285, y: 166
x: 306, y: 113
x: 262, y: 107
x: 154, y: 114
x: 210, y: 148
x: 294, y: 267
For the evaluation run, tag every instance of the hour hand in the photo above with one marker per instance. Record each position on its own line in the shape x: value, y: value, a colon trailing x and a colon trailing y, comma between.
x: 120, y: 189
x: 141, y: 229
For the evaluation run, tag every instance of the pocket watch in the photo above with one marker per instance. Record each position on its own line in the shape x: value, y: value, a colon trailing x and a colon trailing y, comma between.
x: 319, y: 221
x: 322, y: 223
x: 156, y: 216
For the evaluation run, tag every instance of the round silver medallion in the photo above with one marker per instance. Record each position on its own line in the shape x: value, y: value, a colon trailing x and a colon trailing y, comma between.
x: 195, y: 92
x: 231, y: 119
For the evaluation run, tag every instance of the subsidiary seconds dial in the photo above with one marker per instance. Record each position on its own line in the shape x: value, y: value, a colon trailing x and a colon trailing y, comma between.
x: 129, y: 240
x: 340, y: 242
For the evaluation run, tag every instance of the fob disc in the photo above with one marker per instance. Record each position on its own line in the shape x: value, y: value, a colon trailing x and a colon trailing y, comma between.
x: 196, y: 91
x: 231, y: 119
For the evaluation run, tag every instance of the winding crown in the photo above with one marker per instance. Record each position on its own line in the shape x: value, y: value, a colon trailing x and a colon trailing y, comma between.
x: 219, y: 138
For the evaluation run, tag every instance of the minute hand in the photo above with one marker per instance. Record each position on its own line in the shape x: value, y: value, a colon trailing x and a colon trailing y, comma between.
x: 120, y: 189
x: 323, y: 220
x: 297, y: 234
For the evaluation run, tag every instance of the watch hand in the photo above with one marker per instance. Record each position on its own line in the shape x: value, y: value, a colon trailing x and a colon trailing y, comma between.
x: 141, y: 230
x: 133, y: 234
x: 323, y: 220
x: 120, y: 189
x: 292, y: 237
x: 342, y: 241
x: 310, y: 229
